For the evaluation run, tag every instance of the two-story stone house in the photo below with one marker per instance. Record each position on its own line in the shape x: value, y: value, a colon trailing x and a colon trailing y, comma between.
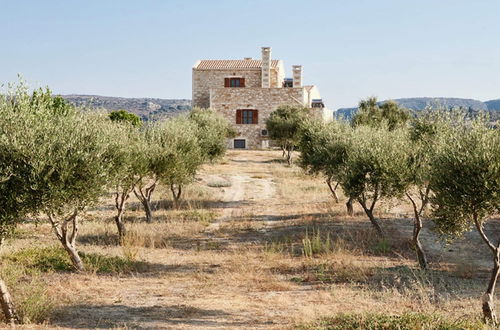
x: 247, y: 91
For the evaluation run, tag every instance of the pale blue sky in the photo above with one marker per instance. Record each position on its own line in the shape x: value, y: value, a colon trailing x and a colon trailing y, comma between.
x: 349, y: 49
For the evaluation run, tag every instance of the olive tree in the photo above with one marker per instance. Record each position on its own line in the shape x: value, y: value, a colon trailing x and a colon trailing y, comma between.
x: 388, y: 114
x: 180, y: 155
x: 80, y: 158
x: 129, y: 159
x: 147, y: 167
x: 465, y: 181
x: 324, y: 149
x: 284, y: 125
x: 426, y: 133
x: 375, y: 168
x: 18, y: 136
x: 54, y: 160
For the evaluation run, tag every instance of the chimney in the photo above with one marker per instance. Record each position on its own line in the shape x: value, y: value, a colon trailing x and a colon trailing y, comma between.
x: 266, y: 67
x: 297, y: 76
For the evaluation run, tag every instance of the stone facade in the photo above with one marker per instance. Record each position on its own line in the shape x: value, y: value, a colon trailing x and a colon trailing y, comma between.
x: 205, y: 79
x: 210, y: 91
x: 265, y: 100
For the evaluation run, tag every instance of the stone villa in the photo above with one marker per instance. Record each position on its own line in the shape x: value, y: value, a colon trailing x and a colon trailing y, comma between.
x: 246, y: 92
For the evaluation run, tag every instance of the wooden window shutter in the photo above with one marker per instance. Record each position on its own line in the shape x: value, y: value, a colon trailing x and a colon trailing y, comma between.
x: 242, y: 82
x: 238, y: 117
x: 255, y: 117
x: 226, y: 82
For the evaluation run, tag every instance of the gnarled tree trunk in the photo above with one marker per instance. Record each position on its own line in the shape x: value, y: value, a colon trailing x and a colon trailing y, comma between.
x: 120, y: 202
x: 7, y: 305
x: 289, y: 154
x: 349, y: 206
x: 369, y: 212
x: 66, y: 231
x: 144, y: 195
x: 417, y: 227
x: 333, y: 189
x: 488, y: 297
x: 176, y: 194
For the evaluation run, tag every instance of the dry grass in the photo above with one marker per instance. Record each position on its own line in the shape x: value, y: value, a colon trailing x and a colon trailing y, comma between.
x: 273, y: 251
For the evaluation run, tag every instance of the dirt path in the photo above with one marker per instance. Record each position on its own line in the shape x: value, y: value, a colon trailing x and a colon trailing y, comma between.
x: 243, y: 194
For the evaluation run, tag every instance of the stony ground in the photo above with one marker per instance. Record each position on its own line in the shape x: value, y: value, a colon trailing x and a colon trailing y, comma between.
x: 245, y: 267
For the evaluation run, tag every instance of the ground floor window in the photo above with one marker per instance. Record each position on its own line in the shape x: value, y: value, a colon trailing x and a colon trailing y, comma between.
x: 240, y: 144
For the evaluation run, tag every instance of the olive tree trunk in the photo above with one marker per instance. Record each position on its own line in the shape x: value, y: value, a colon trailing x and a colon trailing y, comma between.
x: 66, y: 231
x: 349, y: 206
x: 144, y: 195
x: 176, y: 194
x: 7, y: 305
x: 120, y: 202
x: 369, y: 212
x: 289, y: 154
x: 488, y: 297
x: 333, y: 189
x: 417, y: 228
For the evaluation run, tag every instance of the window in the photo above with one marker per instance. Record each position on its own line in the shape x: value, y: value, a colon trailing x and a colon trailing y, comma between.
x: 247, y: 116
x: 239, y: 144
x: 234, y: 82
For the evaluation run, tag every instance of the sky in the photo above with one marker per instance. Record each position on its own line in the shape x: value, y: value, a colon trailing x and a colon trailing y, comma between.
x: 350, y: 49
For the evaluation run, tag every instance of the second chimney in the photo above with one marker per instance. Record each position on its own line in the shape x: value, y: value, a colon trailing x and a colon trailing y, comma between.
x: 266, y: 67
x: 297, y: 76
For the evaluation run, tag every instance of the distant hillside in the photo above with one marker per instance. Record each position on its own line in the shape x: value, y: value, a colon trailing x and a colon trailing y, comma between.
x: 146, y: 108
x: 493, y: 105
x: 420, y: 103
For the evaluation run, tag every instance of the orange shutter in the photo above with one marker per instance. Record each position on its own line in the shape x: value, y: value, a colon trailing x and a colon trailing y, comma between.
x: 242, y: 82
x: 226, y: 82
x: 238, y: 116
x: 255, y: 117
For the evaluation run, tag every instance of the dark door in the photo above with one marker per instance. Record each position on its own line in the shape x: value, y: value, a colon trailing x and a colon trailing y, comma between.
x: 239, y: 144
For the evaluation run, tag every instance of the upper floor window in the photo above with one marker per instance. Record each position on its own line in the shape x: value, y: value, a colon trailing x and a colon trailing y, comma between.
x: 234, y: 82
x: 247, y: 116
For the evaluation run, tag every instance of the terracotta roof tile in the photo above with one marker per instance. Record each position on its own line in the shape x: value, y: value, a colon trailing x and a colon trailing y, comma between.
x: 232, y: 64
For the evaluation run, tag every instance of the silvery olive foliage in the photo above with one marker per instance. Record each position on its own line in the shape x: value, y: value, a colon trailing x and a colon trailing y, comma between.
x: 212, y: 132
x: 324, y: 149
x: 375, y: 167
x: 465, y: 180
x: 180, y: 154
x: 284, y: 125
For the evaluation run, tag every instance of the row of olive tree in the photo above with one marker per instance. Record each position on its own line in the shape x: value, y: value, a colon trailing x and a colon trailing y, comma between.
x: 57, y: 161
x: 168, y: 152
x: 438, y: 159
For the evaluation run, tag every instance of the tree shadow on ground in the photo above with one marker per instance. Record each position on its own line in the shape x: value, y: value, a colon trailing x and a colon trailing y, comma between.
x: 85, y: 316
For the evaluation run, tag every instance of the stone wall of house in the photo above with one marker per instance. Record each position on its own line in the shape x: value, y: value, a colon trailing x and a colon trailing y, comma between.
x: 265, y: 100
x: 204, y: 80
